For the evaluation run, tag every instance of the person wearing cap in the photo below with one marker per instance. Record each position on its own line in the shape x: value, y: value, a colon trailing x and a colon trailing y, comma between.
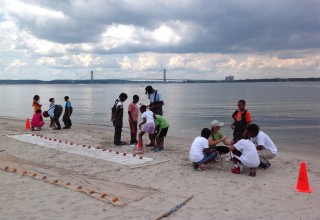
x: 156, y: 100
x: 216, y: 137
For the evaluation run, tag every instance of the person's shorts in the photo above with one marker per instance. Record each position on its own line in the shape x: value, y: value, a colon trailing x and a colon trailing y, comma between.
x: 149, y: 128
x: 162, y: 132
x: 207, y: 157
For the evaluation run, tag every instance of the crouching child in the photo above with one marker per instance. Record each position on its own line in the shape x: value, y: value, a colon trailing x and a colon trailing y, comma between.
x: 244, y: 152
x: 200, y: 153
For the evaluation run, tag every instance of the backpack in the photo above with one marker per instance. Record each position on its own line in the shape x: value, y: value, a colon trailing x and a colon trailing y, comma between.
x: 114, y: 108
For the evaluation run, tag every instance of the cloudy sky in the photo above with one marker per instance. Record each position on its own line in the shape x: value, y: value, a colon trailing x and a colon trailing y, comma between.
x: 191, y: 39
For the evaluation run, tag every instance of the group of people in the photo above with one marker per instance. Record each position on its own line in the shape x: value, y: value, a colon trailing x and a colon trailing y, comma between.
x: 54, y: 112
x: 249, y: 147
x: 153, y: 122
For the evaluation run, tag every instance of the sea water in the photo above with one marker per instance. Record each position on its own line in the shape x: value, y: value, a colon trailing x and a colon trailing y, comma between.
x: 289, y: 112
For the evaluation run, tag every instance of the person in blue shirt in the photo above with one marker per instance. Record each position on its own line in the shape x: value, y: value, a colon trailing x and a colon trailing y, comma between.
x: 67, y: 114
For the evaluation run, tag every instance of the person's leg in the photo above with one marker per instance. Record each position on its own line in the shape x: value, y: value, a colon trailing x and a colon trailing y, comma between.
x: 141, y: 141
x: 117, y: 135
x: 56, y: 119
x: 252, y: 172
x: 152, y: 140
x: 264, y: 155
x: 65, y: 121
x: 235, y: 156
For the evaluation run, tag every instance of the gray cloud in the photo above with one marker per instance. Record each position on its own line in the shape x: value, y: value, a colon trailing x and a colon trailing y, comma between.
x: 216, y: 26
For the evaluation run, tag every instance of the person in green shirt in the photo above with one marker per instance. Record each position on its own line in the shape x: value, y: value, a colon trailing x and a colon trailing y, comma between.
x: 216, y: 137
x: 162, y: 127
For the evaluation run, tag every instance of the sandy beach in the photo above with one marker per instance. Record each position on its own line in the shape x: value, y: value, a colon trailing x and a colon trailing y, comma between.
x: 145, y: 190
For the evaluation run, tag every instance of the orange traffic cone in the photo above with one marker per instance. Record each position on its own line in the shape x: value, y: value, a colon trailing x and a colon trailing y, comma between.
x: 303, y: 183
x: 27, y: 127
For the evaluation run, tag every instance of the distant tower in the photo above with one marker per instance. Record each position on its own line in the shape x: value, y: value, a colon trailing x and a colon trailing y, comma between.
x: 91, y: 77
x: 164, y: 76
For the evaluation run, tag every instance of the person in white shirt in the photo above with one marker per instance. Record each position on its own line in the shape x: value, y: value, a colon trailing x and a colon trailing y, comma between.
x: 149, y: 127
x: 200, y: 153
x: 265, y: 146
x: 51, y: 112
x: 244, y: 152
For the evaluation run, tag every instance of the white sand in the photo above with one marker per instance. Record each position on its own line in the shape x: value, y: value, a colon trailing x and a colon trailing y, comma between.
x: 218, y: 194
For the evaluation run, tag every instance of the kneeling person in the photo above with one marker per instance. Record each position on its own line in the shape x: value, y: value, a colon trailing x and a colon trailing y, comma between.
x: 200, y: 153
x: 244, y: 152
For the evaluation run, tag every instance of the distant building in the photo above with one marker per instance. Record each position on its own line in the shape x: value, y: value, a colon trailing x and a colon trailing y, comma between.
x: 229, y: 78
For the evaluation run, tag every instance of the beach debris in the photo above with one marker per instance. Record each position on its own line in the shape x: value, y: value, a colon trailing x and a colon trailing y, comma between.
x: 103, y: 195
x: 175, y: 208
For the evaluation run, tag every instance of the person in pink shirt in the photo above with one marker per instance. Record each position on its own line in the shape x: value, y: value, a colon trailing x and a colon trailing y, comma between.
x: 133, y: 112
x: 37, y: 120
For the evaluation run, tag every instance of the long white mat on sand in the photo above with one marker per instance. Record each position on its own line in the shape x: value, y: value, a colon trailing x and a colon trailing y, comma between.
x: 127, y: 159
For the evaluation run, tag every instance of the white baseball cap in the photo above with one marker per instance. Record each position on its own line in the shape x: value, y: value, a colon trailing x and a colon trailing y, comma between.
x: 216, y: 123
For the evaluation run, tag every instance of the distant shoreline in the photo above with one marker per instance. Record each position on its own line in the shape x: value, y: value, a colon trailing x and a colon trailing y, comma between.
x: 120, y: 81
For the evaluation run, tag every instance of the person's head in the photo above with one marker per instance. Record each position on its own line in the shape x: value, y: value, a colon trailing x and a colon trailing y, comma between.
x: 52, y: 100
x: 123, y: 97
x: 135, y: 99
x: 38, y: 111
x: 237, y: 137
x: 66, y: 98
x: 143, y: 108
x: 36, y: 98
x: 205, y: 133
x: 216, y: 126
x: 241, y: 105
x: 149, y: 90
x: 252, y: 130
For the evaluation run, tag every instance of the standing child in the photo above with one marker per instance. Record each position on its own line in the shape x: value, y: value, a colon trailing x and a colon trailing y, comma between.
x: 36, y: 103
x: 162, y: 127
x: 242, y: 118
x: 51, y: 112
x: 133, y: 112
x: 57, y: 113
x: 37, y: 120
x: 149, y: 127
x: 117, y: 118
x: 36, y: 106
x: 67, y: 114
x: 200, y: 153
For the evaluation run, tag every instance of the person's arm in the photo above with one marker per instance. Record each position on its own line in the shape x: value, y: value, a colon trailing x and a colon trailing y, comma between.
x: 213, y: 142
x: 143, y: 122
x: 161, y: 103
x: 232, y: 148
x: 226, y: 141
x: 259, y: 147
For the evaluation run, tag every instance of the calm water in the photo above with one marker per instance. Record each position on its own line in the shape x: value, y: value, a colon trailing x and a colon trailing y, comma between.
x: 289, y: 112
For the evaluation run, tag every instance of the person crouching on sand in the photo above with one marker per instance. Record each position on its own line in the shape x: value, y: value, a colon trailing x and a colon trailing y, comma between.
x: 200, y: 153
x: 149, y: 127
x: 244, y: 152
x: 265, y: 146
x: 37, y: 120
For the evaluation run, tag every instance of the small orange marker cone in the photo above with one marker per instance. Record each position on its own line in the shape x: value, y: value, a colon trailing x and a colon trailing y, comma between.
x: 27, y: 127
x: 303, y: 182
